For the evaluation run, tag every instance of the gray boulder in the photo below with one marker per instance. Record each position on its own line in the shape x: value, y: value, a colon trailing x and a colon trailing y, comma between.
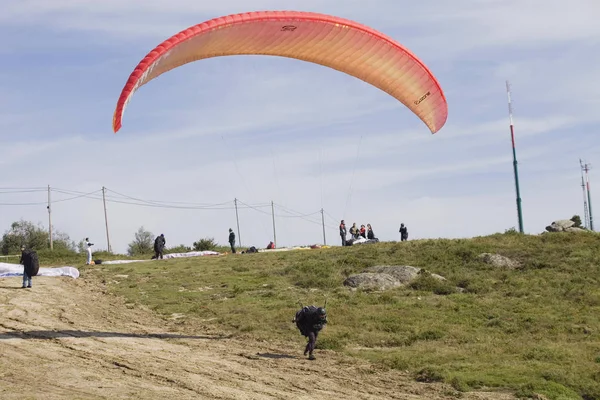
x: 560, y: 225
x: 498, y: 261
x: 383, y: 277
x: 403, y: 273
x: 574, y: 229
x: 373, y: 281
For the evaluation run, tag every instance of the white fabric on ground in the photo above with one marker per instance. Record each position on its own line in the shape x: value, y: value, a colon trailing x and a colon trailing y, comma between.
x: 10, y: 270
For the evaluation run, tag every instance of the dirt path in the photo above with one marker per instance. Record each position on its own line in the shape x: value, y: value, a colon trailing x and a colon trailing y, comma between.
x: 65, y: 339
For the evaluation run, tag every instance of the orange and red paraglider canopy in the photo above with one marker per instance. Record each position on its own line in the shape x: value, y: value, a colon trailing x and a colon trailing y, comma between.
x: 341, y: 44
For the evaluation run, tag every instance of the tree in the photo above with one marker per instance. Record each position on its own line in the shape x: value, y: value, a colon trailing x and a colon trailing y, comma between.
x: 205, y: 244
x: 34, y: 237
x: 81, y: 246
x: 182, y: 248
x: 142, y: 244
x: 577, y: 220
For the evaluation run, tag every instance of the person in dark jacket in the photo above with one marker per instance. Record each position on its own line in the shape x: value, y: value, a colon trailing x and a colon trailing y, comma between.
x: 232, y: 240
x: 310, y: 320
x: 343, y: 232
x: 370, y: 234
x: 31, y: 266
x: 403, y: 233
x: 159, y: 246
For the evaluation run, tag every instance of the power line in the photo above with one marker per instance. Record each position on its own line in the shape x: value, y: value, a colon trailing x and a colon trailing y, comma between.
x: 47, y: 202
x: 108, y: 195
x: 11, y: 191
x: 161, y: 204
x: 39, y: 189
x: 167, y: 202
x: 303, y: 216
x: 121, y: 198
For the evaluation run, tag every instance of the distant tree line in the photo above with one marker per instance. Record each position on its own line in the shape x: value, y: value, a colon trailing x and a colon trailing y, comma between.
x: 143, y: 243
x: 36, y: 237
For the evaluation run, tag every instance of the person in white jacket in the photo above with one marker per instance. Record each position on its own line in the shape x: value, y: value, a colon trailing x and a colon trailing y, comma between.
x: 89, y: 253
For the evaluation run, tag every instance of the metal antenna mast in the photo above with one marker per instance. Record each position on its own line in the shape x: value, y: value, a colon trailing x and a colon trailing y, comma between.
x: 237, y: 219
x: 586, y: 168
x: 586, y: 214
x: 516, y: 171
x: 49, y: 207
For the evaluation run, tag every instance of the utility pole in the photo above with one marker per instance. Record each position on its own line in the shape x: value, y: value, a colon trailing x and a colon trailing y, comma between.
x: 516, y: 171
x: 106, y: 219
x: 273, y: 214
x: 323, y: 223
x: 50, y: 219
x: 238, y: 223
x: 587, y: 181
x: 586, y: 214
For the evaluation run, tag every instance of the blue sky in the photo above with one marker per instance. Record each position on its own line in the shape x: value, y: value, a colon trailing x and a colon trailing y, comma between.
x: 253, y: 127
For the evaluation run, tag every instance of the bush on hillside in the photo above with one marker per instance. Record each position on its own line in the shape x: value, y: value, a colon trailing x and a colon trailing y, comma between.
x: 142, y: 244
x: 34, y: 237
x: 205, y: 244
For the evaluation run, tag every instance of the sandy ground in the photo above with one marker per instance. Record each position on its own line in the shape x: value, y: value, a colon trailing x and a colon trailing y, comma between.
x: 66, y: 339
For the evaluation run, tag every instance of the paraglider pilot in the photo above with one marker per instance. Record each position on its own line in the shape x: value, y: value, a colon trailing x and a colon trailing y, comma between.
x: 159, y: 246
x: 310, y: 320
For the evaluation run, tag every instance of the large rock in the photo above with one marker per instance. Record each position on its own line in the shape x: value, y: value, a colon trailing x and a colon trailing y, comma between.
x: 498, y: 261
x: 574, y: 229
x: 560, y: 225
x: 383, y: 277
x: 403, y: 273
x: 374, y: 281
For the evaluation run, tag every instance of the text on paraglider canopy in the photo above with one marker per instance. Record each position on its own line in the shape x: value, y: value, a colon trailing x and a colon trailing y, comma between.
x: 417, y: 102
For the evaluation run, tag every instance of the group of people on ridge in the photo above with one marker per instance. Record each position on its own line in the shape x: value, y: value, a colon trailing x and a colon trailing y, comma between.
x: 355, y: 232
x: 365, y: 232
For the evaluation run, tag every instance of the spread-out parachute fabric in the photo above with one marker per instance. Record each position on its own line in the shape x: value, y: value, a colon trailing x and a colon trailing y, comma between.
x: 10, y: 270
x: 168, y: 256
x: 338, y: 43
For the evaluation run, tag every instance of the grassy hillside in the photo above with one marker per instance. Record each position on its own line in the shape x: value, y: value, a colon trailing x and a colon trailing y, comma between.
x: 533, y: 330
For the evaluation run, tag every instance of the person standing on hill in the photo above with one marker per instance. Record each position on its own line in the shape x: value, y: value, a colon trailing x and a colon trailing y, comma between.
x: 370, y: 233
x: 159, y: 246
x: 89, y: 252
x: 232, y: 240
x: 403, y: 232
x: 354, y: 231
x: 31, y: 266
x: 343, y: 232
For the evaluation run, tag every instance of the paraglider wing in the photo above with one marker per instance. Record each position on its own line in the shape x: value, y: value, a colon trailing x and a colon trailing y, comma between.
x: 330, y: 41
